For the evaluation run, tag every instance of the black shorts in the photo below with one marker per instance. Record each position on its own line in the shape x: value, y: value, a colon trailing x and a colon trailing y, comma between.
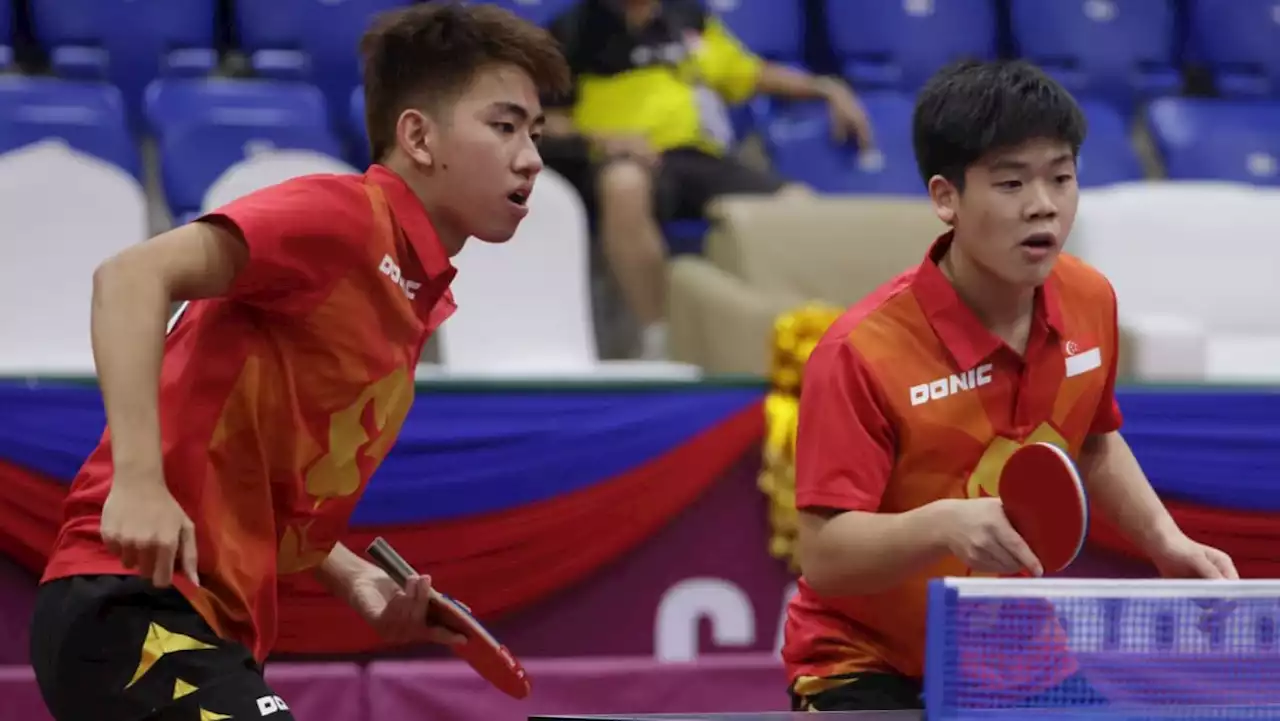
x: 690, y: 179
x: 863, y: 692
x: 890, y: 692
x: 115, y: 648
x: 687, y: 179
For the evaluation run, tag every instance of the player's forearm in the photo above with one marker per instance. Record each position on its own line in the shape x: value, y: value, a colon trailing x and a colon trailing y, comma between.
x: 340, y: 570
x: 859, y: 553
x: 1115, y: 481
x: 128, y: 317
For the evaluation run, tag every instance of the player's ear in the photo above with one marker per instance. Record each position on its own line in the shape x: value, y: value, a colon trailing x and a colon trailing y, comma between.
x: 945, y: 197
x: 415, y: 134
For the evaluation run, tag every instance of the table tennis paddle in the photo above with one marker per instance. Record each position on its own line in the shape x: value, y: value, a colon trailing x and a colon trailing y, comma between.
x: 482, y: 651
x: 1045, y: 502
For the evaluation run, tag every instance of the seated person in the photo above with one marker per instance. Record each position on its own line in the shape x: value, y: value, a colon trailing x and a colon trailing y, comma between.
x: 652, y: 78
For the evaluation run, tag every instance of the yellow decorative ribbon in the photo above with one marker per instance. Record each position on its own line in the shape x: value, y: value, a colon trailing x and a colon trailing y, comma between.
x: 794, y: 336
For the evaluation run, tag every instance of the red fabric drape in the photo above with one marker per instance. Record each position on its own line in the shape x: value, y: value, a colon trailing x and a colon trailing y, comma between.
x: 500, y: 562
x: 495, y: 563
x: 30, y: 515
x: 1251, y: 539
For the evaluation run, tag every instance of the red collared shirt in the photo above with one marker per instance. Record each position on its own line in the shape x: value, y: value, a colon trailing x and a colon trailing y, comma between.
x: 279, y: 400
x: 909, y: 399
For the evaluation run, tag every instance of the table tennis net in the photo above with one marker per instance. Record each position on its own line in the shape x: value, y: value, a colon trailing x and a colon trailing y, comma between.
x: 1154, y: 649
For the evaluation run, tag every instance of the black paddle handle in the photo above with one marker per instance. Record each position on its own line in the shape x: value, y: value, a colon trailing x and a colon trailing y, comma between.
x: 393, y: 563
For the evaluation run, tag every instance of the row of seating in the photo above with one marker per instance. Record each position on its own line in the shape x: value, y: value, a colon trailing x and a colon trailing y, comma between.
x: 1118, y: 49
x: 203, y: 126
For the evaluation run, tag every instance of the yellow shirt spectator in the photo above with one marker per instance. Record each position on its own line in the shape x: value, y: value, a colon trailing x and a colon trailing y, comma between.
x: 668, y: 82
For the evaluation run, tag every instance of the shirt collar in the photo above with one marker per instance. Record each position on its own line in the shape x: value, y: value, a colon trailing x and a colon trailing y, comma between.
x: 413, y: 221
x: 956, y: 325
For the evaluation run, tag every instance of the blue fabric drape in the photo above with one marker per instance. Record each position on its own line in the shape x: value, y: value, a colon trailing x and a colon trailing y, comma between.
x: 479, y: 451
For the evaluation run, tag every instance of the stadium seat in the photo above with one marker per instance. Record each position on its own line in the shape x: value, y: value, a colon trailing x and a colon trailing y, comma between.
x: 899, y: 43
x: 773, y: 29
x: 316, y: 40
x: 355, y: 126
x: 798, y: 139
x: 1239, y: 40
x: 271, y: 36
x: 206, y: 126
x: 1205, y: 139
x: 87, y: 116
x: 1108, y: 155
x: 6, y: 34
x: 62, y: 213
x: 547, y: 265
x: 1120, y: 50
x: 129, y: 42
x: 541, y: 12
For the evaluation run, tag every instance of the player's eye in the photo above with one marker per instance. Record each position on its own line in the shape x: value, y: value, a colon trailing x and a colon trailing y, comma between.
x: 1009, y: 184
x: 505, y: 128
x: 537, y: 137
x: 1065, y: 178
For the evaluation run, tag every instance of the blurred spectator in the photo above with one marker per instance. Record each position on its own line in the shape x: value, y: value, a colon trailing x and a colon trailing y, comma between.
x: 644, y: 135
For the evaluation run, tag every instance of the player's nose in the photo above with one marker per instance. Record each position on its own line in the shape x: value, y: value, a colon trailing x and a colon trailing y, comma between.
x: 528, y: 161
x: 1040, y: 203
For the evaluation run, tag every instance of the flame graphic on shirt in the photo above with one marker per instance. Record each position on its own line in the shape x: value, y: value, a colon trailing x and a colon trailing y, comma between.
x: 984, y: 481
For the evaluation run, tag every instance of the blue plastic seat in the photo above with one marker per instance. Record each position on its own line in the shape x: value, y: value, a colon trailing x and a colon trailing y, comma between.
x: 1108, y: 155
x: 129, y: 42
x: 1204, y: 139
x: 798, y: 139
x: 88, y: 116
x: 206, y: 126
x: 269, y: 32
x: 540, y: 12
x: 171, y: 103
x: 355, y: 127
x: 900, y: 43
x: 1239, y: 40
x: 1120, y: 50
x: 315, y: 40
x: 773, y: 29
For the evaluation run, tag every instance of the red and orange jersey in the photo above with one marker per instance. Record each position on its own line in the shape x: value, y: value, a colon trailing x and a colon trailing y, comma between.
x: 909, y: 399
x: 278, y: 401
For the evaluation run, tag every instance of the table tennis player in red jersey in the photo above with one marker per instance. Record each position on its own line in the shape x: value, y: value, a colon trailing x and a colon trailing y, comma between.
x: 917, y: 394
x: 240, y: 441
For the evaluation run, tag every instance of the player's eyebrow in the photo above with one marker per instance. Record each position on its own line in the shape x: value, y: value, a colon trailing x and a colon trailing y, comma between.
x: 519, y: 111
x: 1007, y: 164
x: 1019, y: 165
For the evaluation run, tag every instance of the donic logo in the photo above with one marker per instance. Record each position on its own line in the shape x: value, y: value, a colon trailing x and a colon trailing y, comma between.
x: 951, y: 385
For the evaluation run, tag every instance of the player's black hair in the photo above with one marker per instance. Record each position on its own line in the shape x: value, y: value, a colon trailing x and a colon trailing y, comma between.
x: 971, y: 108
x: 422, y: 55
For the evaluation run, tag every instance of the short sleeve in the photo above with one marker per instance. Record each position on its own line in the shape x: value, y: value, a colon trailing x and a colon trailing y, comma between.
x: 303, y: 235
x: 726, y: 65
x: 845, y: 445
x: 1108, y: 418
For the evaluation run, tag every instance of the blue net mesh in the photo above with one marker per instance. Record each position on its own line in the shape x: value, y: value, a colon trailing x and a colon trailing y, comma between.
x: 1102, y: 649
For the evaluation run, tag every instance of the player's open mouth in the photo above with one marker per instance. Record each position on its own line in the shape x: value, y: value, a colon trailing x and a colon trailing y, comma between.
x: 520, y: 197
x: 1039, y: 241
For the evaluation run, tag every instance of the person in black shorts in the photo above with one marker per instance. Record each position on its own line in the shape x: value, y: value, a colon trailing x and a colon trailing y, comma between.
x: 239, y: 437
x: 644, y: 135
x: 82, y: 628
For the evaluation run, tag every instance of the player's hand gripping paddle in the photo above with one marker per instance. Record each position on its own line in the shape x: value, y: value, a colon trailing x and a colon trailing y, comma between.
x: 482, y: 651
x: 1045, y: 503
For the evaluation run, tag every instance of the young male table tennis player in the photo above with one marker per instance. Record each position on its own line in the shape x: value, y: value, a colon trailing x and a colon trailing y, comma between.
x: 239, y: 445
x: 914, y: 398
